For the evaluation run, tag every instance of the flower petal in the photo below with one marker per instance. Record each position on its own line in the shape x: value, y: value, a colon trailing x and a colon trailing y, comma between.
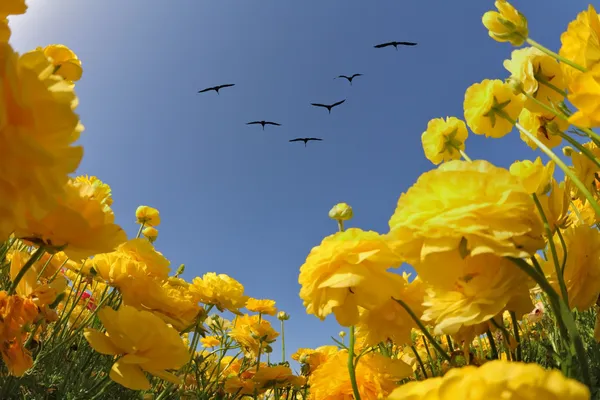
x: 100, y: 342
x: 130, y: 376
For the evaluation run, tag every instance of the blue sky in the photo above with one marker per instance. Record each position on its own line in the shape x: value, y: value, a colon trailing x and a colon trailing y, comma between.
x: 244, y: 202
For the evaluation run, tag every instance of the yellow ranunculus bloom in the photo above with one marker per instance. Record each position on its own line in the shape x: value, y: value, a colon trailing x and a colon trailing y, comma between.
x: 347, y: 270
x: 65, y: 61
x: 42, y: 293
x: 80, y: 225
x: 582, y: 209
x: 341, y: 212
x: 150, y: 233
x: 585, y: 169
x: 274, y: 376
x: 584, y: 94
x: 507, y: 25
x: 471, y: 207
x: 546, y: 129
x: 221, y: 290
x: 210, y: 341
x: 12, y: 7
x: 581, y: 42
x: 376, y: 377
x: 140, y: 250
x: 147, y: 215
x: 37, y: 129
x: 470, y: 291
x: 582, y: 270
x: 145, y: 343
x: 100, y: 190
x: 261, y: 306
x: 531, y: 67
x: 535, y: 176
x: 443, y: 139
x: 556, y: 206
x: 16, y: 313
x: 511, y: 379
x: 485, y: 104
x: 252, y: 333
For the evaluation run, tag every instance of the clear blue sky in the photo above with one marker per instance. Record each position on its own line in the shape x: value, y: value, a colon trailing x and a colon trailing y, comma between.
x: 234, y: 199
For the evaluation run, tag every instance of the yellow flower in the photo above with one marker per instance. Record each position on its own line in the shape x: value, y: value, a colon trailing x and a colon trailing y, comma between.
x: 581, y: 42
x: 585, y: 169
x: 41, y: 293
x: 150, y: 233
x: 210, y: 341
x: 493, y: 380
x: 546, y: 129
x: 485, y: 104
x: 221, y: 290
x: 376, y: 377
x: 147, y: 215
x: 582, y: 270
x: 312, y: 359
x: 556, y: 206
x: 443, y: 139
x: 472, y: 290
x: 235, y: 385
x: 12, y: 7
x: 4, y: 30
x: 584, y: 94
x: 276, y: 376
x: 252, y: 333
x: 97, y: 189
x: 261, y: 306
x: 283, y: 316
x: 531, y: 68
x: 582, y: 209
x: 389, y: 320
x: 16, y: 313
x: 347, y: 270
x: 474, y: 208
x: 65, y: 61
x: 80, y: 225
x: 140, y: 250
x: 341, y: 212
x: 145, y: 343
x: 507, y: 25
x: 535, y: 176
x: 37, y: 129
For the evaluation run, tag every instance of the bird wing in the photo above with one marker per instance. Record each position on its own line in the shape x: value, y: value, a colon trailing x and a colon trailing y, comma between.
x: 272, y: 123
x: 338, y: 103
x: 344, y: 76
x: 226, y: 85
x: 253, y: 122
x: 407, y: 43
x: 318, y: 105
x: 355, y: 75
x: 206, y: 90
x: 313, y: 138
x: 297, y: 140
x: 378, y: 46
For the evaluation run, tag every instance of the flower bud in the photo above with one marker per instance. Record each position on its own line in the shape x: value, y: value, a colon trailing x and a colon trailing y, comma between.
x: 341, y: 212
x: 515, y: 84
x: 150, y: 233
x: 147, y: 215
x: 507, y: 24
x: 267, y: 349
x: 180, y: 270
x: 342, y: 334
x: 283, y: 316
x: 567, y: 151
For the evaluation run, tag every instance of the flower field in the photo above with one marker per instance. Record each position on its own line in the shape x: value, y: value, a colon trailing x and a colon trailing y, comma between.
x: 503, y: 305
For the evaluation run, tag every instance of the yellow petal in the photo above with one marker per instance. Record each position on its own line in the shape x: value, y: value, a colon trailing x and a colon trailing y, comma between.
x: 167, y: 376
x: 130, y: 376
x: 133, y: 359
x: 100, y: 342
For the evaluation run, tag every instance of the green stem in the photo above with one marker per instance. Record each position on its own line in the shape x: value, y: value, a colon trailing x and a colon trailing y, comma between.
x: 568, y: 171
x: 581, y: 148
x: 282, y: 342
x: 429, y: 357
x: 450, y: 347
x: 419, y: 361
x: 564, y: 318
x: 140, y: 230
x: 538, y: 46
x: 424, y: 329
x: 557, y: 268
x: 44, y: 267
x: 564, y: 246
x: 577, y: 213
x: 506, y: 336
x: 351, y: 369
x: 517, y: 337
x: 100, y: 393
x: 492, y: 344
x: 464, y: 155
x: 32, y: 259
x: 537, y: 266
x: 546, y: 82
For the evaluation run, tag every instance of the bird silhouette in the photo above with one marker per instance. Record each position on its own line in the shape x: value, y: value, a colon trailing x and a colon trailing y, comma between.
x: 263, y: 123
x: 216, y: 88
x: 349, y: 78
x: 395, y: 44
x: 328, y: 107
x: 305, y: 140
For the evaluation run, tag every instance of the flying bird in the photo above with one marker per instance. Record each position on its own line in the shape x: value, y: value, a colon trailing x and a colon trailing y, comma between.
x: 349, y: 78
x: 305, y: 140
x: 263, y: 123
x: 216, y: 88
x: 395, y: 44
x: 328, y: 107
